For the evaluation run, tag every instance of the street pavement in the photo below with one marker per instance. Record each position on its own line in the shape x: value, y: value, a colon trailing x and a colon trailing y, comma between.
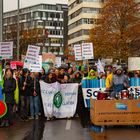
x: 65, y: 129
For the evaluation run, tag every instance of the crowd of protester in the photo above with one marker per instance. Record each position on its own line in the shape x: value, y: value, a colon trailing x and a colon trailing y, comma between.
x: 29, y: 106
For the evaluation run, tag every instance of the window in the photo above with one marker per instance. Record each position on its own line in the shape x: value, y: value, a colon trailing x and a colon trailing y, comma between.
x: 79, y: 33
x: 82, y: 21
x: 52, y: 15
x: 84, y: 10
x: 57, y: 15
x: 59, y: 8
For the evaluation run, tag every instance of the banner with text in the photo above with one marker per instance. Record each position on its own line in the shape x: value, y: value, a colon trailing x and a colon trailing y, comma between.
x: 90, y: 89
x: 32, y: 54
x: 6, y: 50
x: 58, y: 100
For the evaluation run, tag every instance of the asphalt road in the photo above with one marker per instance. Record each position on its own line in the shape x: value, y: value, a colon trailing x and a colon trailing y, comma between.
x: 65, y: 129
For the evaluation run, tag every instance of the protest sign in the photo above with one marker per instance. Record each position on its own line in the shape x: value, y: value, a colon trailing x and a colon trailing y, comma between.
x: 48, y: 60
x: 133, y: 63
x: 58, y: 61
x: 32, y: 54
x: 78, y: 52
x: 91, y: 88
x: 58, y: 101
x: 36, y: 67
x: 6, y: 50
x: 87, y: 51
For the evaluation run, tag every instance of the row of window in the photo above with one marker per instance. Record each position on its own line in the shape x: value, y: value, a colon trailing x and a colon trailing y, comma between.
x: 55, y: 32
x: 80, y: 1
x: 33, y: 16
x: 82, y: 21
x: 84, y: 10
x: 79, y: 33
x: 55, y: 49
x: 41, y: 14
x: 29, y: 24
x: 54, y: 23
x: 57, y: 7
x: 54, y: 40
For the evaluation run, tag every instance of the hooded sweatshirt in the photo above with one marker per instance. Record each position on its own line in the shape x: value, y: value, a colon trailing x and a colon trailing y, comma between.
x: 91, y: 77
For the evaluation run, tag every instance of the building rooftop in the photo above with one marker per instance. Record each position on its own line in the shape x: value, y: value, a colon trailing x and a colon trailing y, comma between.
x: 10, y: 5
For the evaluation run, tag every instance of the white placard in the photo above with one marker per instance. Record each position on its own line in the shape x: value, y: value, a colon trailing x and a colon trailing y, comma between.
x: 58, y: 61
x: 32, y: 54
x: 133, y: 63
x: 87, y: 51
x: 6, y: 50
x: 36, y: 67
x: 78, y: 52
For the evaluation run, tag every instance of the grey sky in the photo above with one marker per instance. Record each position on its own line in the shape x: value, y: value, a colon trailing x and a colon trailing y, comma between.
x: 12, y: 4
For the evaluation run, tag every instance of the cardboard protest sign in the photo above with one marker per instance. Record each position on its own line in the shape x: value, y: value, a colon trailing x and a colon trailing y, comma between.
x: 6, y: 50
x: 78, y: 52
x: 58, y: 61
x: 87, y: 51
x: 32, y: 54
x: 133, y: 63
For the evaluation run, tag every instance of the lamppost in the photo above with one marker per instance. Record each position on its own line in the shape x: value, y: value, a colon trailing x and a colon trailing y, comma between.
x: 18, y: 29
x: 1, y: 20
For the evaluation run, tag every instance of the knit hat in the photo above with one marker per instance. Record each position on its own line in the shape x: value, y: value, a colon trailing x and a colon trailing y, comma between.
x: 119, y: 68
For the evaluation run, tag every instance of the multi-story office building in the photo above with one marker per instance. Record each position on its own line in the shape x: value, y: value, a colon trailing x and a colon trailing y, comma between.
x: 81, y: 18
x: 43, y: 24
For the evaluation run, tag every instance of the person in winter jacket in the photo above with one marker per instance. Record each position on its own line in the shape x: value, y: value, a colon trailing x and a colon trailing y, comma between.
x: 34, y: 87
x: 91, y: 75
x: 9, y: 87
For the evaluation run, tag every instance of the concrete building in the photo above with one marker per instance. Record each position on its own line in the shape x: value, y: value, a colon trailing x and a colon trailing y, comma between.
x: 45, y: 24
x: 82, y: 16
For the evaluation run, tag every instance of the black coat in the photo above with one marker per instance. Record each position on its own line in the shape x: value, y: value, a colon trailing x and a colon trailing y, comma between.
x: 9, y: 87
x: 34, y: 85
x: 21, y: 81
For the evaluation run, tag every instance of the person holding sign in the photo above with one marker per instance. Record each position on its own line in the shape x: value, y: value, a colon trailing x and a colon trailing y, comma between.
x: 24, y: 94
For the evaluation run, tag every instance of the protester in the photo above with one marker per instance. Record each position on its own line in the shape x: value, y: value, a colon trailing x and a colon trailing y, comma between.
x: 50, y: 78
x: 9, y: 87
x: 92, y: 75
x: 24, y: 82
x: 30, y: 103
x: 119, y: 82
x: 34, y: 96
x: 66, y: 79
x: 42, y: 75
x: 61, y: 74
x: 109, y: 79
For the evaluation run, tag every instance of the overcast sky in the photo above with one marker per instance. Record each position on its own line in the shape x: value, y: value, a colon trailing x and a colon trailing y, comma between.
x: 12, y: 4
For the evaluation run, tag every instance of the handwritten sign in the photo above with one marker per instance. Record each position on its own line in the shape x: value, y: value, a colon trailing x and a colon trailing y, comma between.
x: 32, y: 54
x: 6, y: 50
x: 78, y: 52
x: 87, y: 51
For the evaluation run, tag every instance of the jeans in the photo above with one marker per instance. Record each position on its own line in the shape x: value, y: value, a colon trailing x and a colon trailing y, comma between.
x: 24, y: 106
x: 34, y: 105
